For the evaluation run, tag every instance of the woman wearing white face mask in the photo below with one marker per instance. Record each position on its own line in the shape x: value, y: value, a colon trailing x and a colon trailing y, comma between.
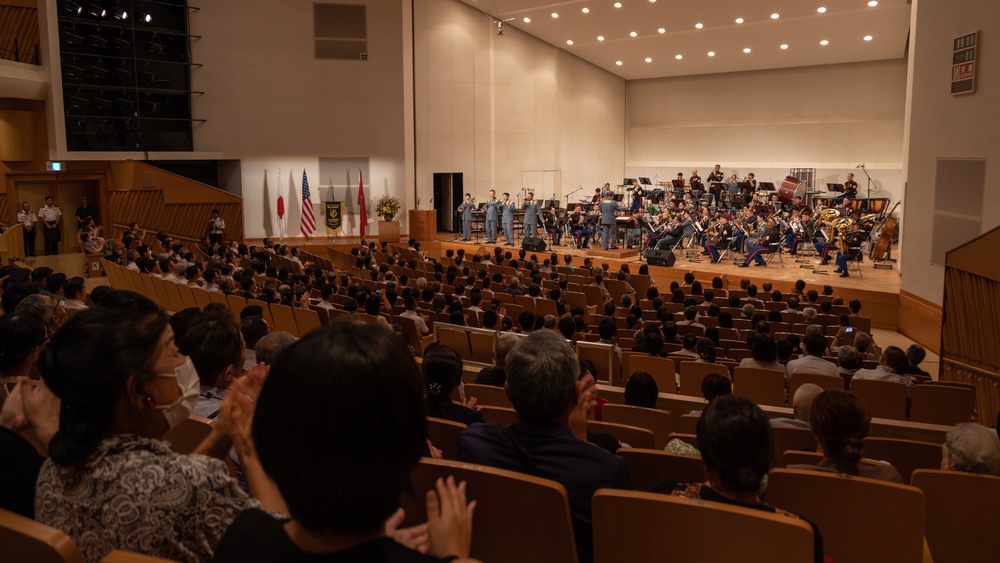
x: 110, y: 483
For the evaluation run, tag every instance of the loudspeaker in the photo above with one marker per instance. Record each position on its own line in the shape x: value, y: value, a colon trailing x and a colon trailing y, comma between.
x: 661, y: 258
x: 533, y: 244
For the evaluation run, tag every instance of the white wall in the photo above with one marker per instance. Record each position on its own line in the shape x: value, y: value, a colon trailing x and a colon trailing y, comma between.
x: 271, y: 104
x: 495, y: 108
x: 942, y: 125
x: 829, y: 117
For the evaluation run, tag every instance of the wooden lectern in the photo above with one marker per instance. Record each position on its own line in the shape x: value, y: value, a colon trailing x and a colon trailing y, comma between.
x: 423, y: 224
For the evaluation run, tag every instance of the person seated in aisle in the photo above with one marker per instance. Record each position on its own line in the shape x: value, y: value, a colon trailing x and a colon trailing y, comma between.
x: 543, y: 385
x: 971, y: 448
x: 736, y: 442
x: 852, y: 239
x: 801, y: 407
x: 756, y: 252
x: 344, y: 501
x: 812, y: 361
x: 840, y: 423
x: 892, y: 367
x: 495, y: 375
x: 118, y: 373
x: 442, y: 372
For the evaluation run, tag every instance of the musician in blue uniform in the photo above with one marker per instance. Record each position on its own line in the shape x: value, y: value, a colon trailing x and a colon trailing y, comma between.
x: 854, y: 237
x: 507, y: 209
x: 607, y: 208
x: 466, y: 210
x: 550, y: 220
x: 724, y: 232
x: 530, y: 207
x: 758, y: 251
x: 491, y: 217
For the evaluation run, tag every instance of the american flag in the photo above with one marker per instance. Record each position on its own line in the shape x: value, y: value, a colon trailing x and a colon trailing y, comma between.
x: 308, y: 219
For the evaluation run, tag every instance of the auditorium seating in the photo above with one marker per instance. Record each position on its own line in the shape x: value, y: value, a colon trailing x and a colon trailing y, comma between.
x: 649, y: 466
x: 444, y: 435
x: 24, y: 539
x: 659, y: 422
x: 905, y: 455
x: 119, y: 556
x: 961, y: 515
x: 680, y: 529
x: 633, y: 436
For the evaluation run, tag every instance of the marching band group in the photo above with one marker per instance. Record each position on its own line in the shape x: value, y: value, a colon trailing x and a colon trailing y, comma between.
x: 729, y: 216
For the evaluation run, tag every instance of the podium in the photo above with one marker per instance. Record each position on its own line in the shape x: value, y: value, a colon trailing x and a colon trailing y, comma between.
x: 423, y: 224
x: 388, y: 231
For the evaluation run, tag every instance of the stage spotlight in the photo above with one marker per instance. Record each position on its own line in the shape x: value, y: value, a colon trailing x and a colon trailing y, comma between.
x: 72, y: 39
x: 72, y: 7
x: 97, y: 11
x: 146, y: 18
x: 97, y: 41
x: 120, y: 14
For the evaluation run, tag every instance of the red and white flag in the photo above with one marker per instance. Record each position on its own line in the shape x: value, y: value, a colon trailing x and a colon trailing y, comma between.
x: 281, y: 208
x: 361, y: 206
x: 308, y: 219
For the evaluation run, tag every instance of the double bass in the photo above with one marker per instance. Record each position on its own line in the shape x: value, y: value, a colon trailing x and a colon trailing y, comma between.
x: 885, y: 239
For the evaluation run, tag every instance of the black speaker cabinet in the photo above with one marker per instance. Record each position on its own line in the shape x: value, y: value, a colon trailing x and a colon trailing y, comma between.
x: 661, y: 258
x: 533, y: 244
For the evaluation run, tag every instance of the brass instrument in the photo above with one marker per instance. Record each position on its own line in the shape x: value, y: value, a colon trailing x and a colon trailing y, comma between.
x: 840, y: 226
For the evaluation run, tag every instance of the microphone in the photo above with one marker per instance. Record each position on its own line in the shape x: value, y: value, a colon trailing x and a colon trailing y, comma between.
x: 862, y: 165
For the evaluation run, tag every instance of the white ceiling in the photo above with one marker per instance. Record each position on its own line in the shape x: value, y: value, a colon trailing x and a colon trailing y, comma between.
x: 800, y: 26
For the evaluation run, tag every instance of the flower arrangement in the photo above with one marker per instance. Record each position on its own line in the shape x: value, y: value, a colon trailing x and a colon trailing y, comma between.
x: 388, y: 207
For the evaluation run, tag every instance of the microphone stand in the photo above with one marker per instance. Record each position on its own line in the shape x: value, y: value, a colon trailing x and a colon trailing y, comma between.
x: 870, y: 182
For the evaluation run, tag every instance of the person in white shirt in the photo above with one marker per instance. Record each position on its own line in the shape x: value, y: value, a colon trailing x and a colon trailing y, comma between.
x: 27, y: 219
x: 890, y: 368
x: 76, y: 295
x: 813, y: 362
x: 216, y: 228
x: 51, y: 216
x: 411, y: 313
x: 211, y: 276
x: 132, y: 255
x: 167, y: 270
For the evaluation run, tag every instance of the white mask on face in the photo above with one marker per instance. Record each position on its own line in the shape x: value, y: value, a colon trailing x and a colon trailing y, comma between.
x: 190, y: 388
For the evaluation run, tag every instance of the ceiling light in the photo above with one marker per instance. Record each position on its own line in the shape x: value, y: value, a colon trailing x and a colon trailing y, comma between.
x: 555, y: 15
x: 649, y: 60
x: 661, y: 30
x: 824, y: 42
x: 711, y: 53
x: 600, y: 38
x: 746, y: 50
x: 873, y: 3
x: 739, y: 20
x: 633, y: 34
x: 147, y: 18
x: 618, y: 5
x: 97, y: 11
x: 821, y: 9
x: 120, y: 14
x: 775, y: 16
x: 678, y: 57
x: 569, y: 41
x: 585, y: 10
x: 619, y: 63
x: 868, y: 38
x: 527, y: 20
x: 698, y: 26
x: 784, y: 46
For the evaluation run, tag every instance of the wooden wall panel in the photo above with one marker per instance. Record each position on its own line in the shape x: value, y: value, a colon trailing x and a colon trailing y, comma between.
x: 987, y: 388
x: 920, y: 321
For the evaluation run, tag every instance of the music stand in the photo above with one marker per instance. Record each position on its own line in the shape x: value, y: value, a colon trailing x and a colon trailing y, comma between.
x: 618, y: 197
x: 835, y: 188
x: 768, y: 186
x: 550, y: 203
x: 645, y: 181
x: 628, y: 181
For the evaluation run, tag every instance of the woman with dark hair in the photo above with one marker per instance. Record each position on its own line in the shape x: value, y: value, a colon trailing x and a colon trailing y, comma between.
x: 677, y: 296
x: 705, y: 350
x: 109, y: 482
x: 725, y: 319
x: 841, y: 422
x: 735, y: 441
x: 442, y: 371
x: 340, y: 463
x: 763, y: 354
x: 641, y: 390
x: 21, y: 338
x: 696, y: 288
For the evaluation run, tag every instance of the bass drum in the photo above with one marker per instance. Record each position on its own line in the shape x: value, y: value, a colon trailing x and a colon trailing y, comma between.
x: 790, y: 189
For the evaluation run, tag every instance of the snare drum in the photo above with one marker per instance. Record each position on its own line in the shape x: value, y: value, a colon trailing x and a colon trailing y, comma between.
x: 790, y: 189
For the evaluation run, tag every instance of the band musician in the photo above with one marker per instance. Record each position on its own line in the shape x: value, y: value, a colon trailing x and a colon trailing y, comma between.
x: 715, y: 180
x: 507, y: 210
x: 491, y: 217
x: 531, y: 212
x: 853, y: 239
x: 550, y: 219
x: 695, y: 181
x: 757, y: 251
x: 724, y: 233
x: 466, y: 210
x: 850, y: 188
x: 578, y: 227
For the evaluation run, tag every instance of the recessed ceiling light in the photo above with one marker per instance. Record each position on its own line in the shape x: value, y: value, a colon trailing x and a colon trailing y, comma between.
x: 600, y: 38
x: 527, y: 20
x: 868, y: 37
x: 618, y: 5
x: 711, y: 53
x: 569, y: 41
x: 746, y: 50
x: 555, y: 15
x: 678, y: 57
x: 619, y: 63
x: 824, y: 42
x: 873, y: 3
x: 661, y: 30
x: 821, y: 9
x: 633, y: 34
x: 784, y: 46
x: 649, y: 60
x: 585, y: 10
x: 698, y: 26
x: 739, y: 20
x: 775, y: 16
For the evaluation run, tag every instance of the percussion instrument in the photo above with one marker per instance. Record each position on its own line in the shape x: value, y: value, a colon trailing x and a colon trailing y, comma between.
x: 790, y: 189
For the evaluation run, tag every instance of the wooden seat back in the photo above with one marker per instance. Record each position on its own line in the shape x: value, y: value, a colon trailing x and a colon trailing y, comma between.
x: 649, y: 466
x: 660, y: 423
x: 24, y: 539
x: 961, y: 515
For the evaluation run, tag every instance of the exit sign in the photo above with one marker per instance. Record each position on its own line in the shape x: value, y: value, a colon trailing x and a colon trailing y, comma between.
x: 53, y: 166
x: 963, y: 63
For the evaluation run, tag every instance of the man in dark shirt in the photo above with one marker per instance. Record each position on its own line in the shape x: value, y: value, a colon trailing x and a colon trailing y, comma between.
x: 85, y: 212
x: 495, y: 375
x: 543, y: 387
